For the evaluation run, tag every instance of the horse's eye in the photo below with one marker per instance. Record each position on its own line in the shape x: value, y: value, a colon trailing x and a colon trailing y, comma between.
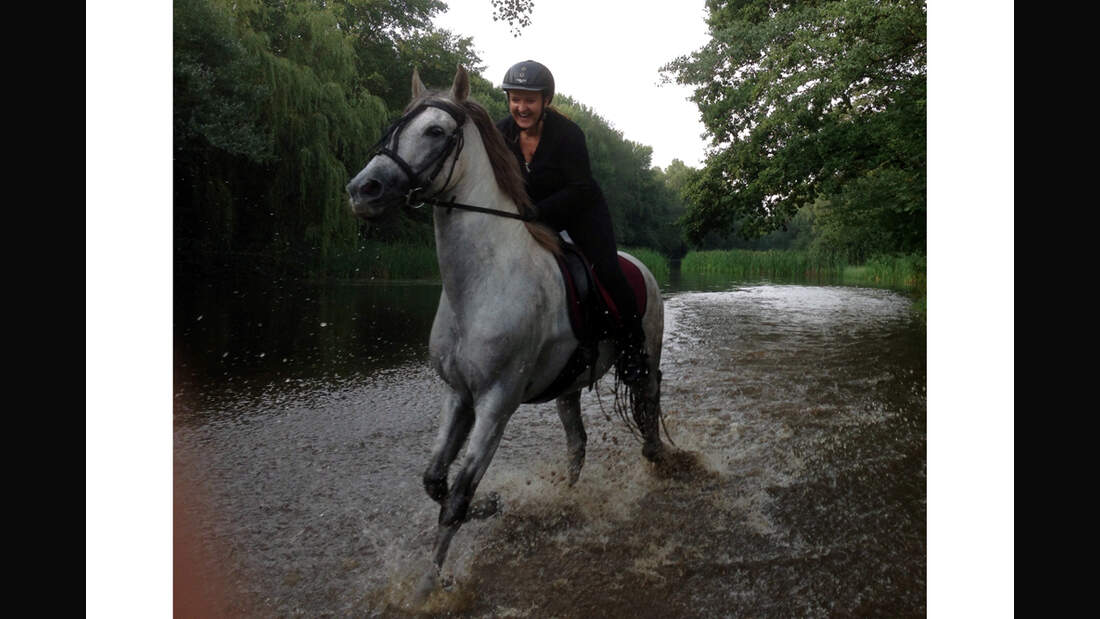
x: 435, y: 131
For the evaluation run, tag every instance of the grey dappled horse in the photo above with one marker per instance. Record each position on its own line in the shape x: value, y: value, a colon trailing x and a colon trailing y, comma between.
x: 501, y: 333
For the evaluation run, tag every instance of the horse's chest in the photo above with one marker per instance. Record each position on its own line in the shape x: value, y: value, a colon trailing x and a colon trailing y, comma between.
x: 492, y: 352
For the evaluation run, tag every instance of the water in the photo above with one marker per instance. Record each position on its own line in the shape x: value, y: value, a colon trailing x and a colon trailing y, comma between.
x: 299, y: 449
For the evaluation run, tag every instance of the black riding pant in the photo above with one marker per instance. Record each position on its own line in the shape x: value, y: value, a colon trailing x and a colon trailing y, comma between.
x: 591, y: 231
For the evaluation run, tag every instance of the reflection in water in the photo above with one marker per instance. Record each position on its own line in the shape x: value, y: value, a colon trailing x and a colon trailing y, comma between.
x: 246, y: 338
x: 804, y: 407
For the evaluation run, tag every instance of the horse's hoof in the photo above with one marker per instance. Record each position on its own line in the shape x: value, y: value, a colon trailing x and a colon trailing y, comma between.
x: 429, y: 582
x: 483, y: 508
x: 653, y: 453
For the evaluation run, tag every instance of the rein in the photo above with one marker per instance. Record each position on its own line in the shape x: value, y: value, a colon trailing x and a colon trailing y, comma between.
x: 469, y: 207
x: 454, y: 144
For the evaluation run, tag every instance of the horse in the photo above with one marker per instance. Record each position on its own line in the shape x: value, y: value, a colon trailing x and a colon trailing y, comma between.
x: 501, y: 332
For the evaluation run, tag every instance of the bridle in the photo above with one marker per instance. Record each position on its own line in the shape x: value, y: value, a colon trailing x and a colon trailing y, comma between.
x: 455, y: 142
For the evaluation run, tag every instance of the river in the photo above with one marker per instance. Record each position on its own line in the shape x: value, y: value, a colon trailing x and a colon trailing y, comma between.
x: 304, y: 415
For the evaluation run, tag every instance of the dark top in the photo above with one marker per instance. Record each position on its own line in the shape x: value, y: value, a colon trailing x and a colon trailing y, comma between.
x: 559, y: 177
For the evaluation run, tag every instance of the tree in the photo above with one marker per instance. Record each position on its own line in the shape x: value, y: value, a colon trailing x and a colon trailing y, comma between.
x: 811, y: 100
x: 517, y: 13
x: 269, y: 126
x: 379, y: 31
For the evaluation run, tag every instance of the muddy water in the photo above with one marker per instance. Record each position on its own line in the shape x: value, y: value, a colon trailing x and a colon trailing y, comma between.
x: 798, y: 413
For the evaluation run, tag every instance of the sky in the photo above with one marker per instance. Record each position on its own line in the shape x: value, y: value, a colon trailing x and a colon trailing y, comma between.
x: 128, y: 266
x: 605, y: 54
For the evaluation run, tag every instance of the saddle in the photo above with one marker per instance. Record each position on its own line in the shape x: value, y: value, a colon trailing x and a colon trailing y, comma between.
x: 592, y: 314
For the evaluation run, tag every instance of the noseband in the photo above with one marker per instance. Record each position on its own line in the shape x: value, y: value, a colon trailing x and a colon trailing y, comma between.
x: 454, y: 143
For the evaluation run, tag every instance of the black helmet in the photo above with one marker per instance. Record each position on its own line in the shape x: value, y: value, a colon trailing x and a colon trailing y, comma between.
x: 532, y: 76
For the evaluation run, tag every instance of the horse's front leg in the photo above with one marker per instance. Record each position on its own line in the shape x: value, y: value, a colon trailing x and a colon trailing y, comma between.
x: 491, y: 417
x: 455, y: 420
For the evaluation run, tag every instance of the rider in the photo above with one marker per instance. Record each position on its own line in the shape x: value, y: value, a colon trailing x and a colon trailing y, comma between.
x: 551, y: 152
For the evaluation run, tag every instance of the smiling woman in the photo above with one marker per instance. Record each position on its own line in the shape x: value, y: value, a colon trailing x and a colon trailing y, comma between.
x: 558, y: 38
x: 527, y: 110
x: 552, y: 150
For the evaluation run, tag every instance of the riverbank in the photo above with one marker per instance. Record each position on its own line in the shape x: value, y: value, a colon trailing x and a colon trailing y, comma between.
x: 904, y: 273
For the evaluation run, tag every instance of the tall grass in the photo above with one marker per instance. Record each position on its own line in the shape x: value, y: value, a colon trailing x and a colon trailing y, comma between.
x: 770, y: 264
x: 900, y: 272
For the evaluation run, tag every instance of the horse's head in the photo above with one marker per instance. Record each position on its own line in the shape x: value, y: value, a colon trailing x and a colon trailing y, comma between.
x: 417, y: 156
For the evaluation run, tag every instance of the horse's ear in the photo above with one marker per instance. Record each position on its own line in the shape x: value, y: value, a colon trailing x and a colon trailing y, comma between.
x: 461, y: 87
x: 418, y: 87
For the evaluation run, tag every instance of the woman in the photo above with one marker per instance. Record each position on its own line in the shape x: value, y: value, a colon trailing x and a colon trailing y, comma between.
x: 551, y: 152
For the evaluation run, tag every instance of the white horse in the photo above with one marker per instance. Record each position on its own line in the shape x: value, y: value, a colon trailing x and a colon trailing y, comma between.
x: 501, y: 333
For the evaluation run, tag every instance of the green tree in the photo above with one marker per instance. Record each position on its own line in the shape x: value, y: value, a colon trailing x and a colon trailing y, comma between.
x: 269, y: 125
x: 678, y: 174
x: 517, y: 13
x: 812, y: 100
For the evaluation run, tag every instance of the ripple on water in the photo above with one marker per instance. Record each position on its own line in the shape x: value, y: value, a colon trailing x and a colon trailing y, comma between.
x: 801, y: 409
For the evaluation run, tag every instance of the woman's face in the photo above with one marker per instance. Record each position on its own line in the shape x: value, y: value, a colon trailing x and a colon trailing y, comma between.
x: 525, y: 107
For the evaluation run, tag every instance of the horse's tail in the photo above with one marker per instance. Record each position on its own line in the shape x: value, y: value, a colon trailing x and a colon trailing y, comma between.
x: 638, y: 410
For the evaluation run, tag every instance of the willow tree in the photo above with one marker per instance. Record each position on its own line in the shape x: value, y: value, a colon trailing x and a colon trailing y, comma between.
x: 808, y: 101
x: 265, y: 182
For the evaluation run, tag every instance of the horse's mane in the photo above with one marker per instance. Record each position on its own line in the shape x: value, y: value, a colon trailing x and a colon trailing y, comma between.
x: 505, y: 168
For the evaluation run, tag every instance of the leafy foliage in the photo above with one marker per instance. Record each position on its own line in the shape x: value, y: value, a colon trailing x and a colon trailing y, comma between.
x: 266, y: 180
x: 517, y: 13
x: 807, y: 101
x: 276, y: 105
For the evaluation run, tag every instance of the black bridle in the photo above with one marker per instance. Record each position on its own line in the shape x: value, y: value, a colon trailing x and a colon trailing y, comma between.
x: 454, y: 144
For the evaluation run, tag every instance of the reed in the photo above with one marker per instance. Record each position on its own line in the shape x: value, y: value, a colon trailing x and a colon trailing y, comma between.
x: 902, y: 272
x: 769, y: 264
x: 906, y: 273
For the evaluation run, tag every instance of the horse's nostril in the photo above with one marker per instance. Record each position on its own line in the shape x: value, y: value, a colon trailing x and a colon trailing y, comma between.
x: 371, y: 189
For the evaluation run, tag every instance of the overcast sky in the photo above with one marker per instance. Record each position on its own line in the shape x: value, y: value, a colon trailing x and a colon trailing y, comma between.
x: 605, y: 54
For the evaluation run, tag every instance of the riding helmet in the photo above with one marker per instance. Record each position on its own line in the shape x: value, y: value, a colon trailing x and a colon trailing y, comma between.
x: 532, y: 76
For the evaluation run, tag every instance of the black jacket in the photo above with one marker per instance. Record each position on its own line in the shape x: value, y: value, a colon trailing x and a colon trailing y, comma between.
x: 559, y: 177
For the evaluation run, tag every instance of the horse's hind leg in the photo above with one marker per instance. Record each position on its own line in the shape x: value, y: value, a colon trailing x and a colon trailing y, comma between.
x: 456, y: 419
x: 569, y: 410
x: 647, y: 414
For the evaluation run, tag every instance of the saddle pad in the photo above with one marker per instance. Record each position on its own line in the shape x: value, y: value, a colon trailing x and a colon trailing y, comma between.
x: 637, y: 283
x: 576, y: 273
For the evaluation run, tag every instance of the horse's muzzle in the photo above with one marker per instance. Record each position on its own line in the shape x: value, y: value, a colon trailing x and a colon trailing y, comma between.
x: 370, y: 195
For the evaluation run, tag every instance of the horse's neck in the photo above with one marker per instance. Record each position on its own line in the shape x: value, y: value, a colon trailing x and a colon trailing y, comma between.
x: 476, y: 248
